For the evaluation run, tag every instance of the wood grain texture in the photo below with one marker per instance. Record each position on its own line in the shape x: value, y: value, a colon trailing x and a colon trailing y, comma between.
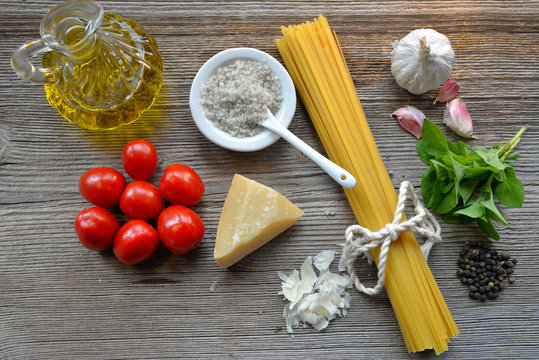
x: 60, y: 301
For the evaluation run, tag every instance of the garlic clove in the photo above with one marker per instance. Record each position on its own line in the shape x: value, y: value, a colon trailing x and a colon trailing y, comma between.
x: 448, y: 91
x: 411, y: 119
x: 457, y: 118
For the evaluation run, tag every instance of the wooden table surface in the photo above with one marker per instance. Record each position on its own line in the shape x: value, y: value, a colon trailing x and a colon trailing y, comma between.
x: 61, y: 301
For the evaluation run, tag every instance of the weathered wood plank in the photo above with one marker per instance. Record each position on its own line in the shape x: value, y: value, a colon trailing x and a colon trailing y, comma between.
x: 62, y: 301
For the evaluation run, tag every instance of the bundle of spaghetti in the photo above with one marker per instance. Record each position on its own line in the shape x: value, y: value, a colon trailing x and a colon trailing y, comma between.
x: 315, y: 61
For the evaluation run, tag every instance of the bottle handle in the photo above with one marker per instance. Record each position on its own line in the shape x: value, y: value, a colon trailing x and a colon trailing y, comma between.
x: 20, y: 62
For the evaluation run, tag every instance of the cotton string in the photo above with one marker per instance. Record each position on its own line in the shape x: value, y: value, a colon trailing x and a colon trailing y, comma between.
x: 423, y: 223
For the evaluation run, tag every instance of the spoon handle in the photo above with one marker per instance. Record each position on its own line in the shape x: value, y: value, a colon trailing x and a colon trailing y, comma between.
x: 337, y: 173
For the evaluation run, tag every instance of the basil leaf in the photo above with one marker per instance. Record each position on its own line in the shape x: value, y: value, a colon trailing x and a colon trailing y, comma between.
x: 446, y: 186
x: 459, y: 169
x: 423, y: 151
x: 510, y: 192
x: 466, y: 160
x: 466, y: 190
x: 505, y: 149
x: 488, y: 228
x: 477, y: 173
x: 463, y: 149
x: 490, y: 156
x: 437, y: 194
x: 511, y: 157
x: 427, y: 185
x: 492, y: 211
x: 441, y: 169
x: 510, y: 172
x: 449, y: 201
x: 451, y: 218
x: 476, y: 210
x: 433, y: 139
x: 453, y: 148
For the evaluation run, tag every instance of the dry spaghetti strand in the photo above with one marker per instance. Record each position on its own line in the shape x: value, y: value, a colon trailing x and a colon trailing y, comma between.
x: 316, y: 63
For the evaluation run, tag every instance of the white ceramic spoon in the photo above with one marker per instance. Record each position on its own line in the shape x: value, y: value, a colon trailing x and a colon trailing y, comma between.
x: 337, y: 173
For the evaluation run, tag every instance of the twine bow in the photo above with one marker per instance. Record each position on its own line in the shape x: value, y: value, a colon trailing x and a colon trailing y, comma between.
x: 423, y: 223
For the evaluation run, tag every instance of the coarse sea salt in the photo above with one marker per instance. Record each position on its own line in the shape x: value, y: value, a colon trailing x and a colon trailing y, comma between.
x: 314, y: 299
x: 235, y: 98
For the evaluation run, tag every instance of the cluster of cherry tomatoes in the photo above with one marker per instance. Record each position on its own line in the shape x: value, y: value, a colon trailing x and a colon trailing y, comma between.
x: 179, y: 228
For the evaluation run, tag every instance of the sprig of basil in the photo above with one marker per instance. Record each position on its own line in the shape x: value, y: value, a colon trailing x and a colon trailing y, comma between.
x: 461, y: 183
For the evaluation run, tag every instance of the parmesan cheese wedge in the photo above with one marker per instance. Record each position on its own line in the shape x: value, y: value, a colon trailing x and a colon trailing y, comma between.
x: 252, y: 215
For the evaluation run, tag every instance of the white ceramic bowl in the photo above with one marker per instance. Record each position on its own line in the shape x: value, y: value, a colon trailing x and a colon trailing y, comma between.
x: 221, y: 138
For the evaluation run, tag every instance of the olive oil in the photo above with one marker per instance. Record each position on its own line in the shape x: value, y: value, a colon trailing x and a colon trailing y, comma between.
x: 112, y: 82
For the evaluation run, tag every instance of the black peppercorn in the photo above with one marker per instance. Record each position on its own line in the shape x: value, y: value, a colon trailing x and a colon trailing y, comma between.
x: 484, y: 270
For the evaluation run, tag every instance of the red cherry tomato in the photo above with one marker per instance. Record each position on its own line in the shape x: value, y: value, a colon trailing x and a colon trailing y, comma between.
x: 181, y: 185
x: 141, y: 200
x: 96, y: 228
x: 139, y: 159
x: 135, y: 242
x: 102, y: 186
x: 180, y: 229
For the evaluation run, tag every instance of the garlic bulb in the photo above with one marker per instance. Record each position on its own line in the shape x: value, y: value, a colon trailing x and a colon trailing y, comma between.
x: 422, y: 60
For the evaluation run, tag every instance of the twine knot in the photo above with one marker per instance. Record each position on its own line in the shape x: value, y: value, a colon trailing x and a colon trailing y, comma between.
x: 360, y: 240
x: 393, y: 235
